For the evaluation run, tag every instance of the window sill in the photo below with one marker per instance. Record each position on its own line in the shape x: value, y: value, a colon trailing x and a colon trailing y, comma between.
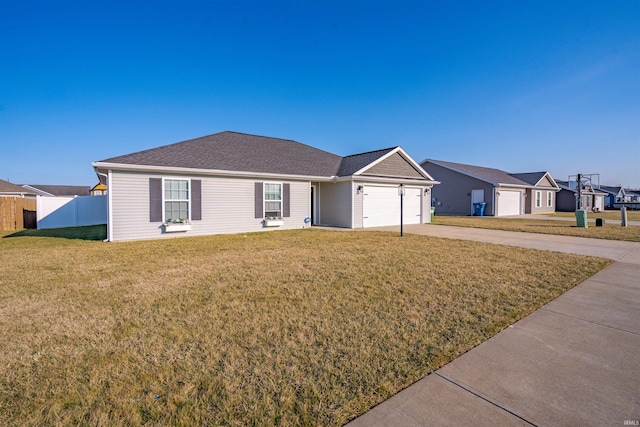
x: 273, y: 222
x: 172, y: 228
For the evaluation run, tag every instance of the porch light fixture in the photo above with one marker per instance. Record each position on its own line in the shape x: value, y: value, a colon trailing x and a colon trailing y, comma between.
x: 427, y: 191
x: 360, y: 187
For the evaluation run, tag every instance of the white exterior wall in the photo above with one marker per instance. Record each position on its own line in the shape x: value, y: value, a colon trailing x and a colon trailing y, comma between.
x: 335, y: 204
x: 227, y: 206
x: 358, y: 205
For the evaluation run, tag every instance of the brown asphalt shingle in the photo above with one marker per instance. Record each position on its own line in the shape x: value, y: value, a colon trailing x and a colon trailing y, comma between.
x: 495, y: 176
x: 352, y: 164
x: 9, y: 188
x: 232, y: 151
x: 64, y: 190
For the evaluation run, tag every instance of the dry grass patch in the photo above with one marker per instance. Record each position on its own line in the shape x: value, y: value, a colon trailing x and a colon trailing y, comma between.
x: 544, y: 226
x: 305, y: 327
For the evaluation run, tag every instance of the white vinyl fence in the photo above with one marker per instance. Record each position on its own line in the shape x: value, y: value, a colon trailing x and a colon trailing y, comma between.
x: 60, y: 212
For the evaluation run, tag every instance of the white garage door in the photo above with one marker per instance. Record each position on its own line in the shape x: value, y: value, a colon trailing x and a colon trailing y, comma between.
x: 509, y: 203
x: 381, y: 206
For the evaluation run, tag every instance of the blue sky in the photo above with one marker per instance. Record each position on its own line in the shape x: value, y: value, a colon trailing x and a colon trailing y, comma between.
x: 521, y: 86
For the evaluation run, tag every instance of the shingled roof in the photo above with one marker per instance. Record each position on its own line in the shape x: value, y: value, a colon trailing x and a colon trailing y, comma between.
x: 8, y: 188
x: 531, y: 178
x: 352, y: 164
x: 61, y: 190
x: 232, y: 151
x: 494, y: 176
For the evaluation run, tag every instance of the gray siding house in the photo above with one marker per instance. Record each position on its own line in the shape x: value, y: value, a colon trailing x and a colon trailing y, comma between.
x: 505, y: 194
x: 592, y: 199
x: 232, y: 183
x: 540, y: 197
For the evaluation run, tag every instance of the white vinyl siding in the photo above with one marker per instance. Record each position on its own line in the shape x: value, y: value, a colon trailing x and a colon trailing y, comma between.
x: 358, y: 199
x: 227, y: 207
x: 335, y: 204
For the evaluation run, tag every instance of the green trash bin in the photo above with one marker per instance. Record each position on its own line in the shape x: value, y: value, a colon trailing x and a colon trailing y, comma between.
x: 433, y: 213
x: 581, y: 218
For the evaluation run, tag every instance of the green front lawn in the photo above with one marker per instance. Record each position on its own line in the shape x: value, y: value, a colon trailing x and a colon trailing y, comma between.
x: 306, y: 327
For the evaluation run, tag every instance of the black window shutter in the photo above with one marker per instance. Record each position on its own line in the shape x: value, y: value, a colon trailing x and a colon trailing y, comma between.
x: 258, y: 200
x: 285, y: 201
x: 155, y: 199
x: 196, y: 200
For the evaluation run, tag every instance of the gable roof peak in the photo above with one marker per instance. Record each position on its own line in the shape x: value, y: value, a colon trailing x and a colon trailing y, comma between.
x: 355, y: 162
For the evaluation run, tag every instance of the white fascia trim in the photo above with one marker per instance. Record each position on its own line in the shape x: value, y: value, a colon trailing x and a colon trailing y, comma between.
x: 37, y: 190
x: 517, y: 186
x: 354, y: 178
x: 209, y: 172
x: 553, y: 181
x: 19, y: 194
x: 404, y: 154
x: 532, y: 187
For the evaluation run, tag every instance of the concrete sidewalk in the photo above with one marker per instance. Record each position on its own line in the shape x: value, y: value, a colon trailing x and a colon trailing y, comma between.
x: 575, y: 361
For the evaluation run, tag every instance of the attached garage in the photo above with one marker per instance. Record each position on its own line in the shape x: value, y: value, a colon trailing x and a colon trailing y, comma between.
x: 381, y: 206
x: 509, y: 202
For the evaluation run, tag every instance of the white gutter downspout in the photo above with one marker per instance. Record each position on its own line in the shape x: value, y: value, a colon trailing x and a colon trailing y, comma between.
x: 109, y: 218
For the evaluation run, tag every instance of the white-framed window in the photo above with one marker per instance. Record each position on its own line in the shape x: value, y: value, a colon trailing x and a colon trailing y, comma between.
x: 538, y: 199
x: 176, y: 200
x: 272, y: 199
x: 549, y: 199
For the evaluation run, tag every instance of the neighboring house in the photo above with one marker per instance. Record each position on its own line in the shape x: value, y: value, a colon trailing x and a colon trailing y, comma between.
x: 613, y: 195
x: 632, y: 195
x: 58, y: 190
x: 232, y: 182
x: 17, y: 207
x: 8, y: 189
x: 592, y: 199
x: 541, y: 196
x: 504, y: 193
x: 99, y: 189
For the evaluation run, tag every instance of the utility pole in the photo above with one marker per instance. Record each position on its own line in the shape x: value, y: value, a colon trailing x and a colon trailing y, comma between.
x: 579, y: 195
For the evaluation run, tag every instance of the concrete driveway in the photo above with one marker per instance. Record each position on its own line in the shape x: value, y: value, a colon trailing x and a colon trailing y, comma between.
x: 575, y: 361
